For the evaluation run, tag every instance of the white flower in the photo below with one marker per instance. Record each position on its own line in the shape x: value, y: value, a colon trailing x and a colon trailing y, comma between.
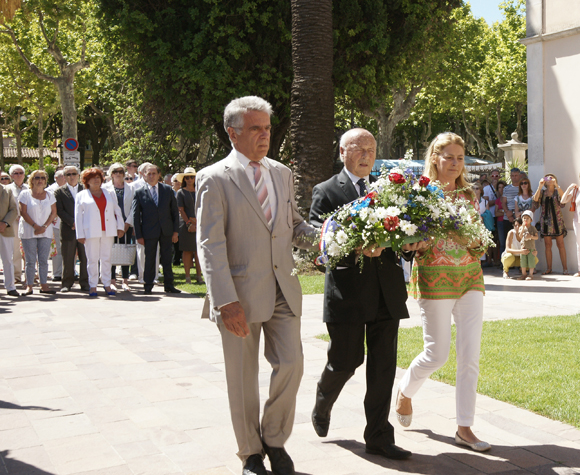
x: 420, y: 199
x: 333, y: 250
x: 396, y: 170
x: 393, y: 211
x: 364, y: 213
x: 434, y: 211
x: 400, y: 200
x: 416, y: 186
x: 408, y: 228
x: 381, y: 212
x: 341, y: 237
x: 372, y: 217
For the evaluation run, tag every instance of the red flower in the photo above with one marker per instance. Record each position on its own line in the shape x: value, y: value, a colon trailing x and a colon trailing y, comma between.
x: 391, y: 223
x: 424, y: 181
x: 372, y: 195
x: 397, y: 178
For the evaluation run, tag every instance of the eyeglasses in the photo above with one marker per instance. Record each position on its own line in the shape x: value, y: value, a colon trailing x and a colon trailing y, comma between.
x: 5, y: 178
x: 71, y: 174
x: 525, y: 183
x: 128, y: 178
x: 40, y: 178
x: 118, y: 172
x: 17, y: 173
x: 495, y: 176
x: 189, y: 177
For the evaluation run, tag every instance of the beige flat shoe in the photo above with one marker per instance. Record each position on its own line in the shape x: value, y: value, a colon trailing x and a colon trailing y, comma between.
x: 478, y: 446
x: 404, y: 419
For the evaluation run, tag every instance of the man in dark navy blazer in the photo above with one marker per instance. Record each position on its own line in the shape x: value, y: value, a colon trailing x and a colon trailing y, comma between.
x: 156, y: 221
x: 360, y: 304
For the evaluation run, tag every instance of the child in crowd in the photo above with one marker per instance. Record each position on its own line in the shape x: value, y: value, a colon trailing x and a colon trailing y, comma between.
x: 527, y: 236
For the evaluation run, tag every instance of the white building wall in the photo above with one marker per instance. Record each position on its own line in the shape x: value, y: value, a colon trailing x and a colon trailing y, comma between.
x: 553, y: 55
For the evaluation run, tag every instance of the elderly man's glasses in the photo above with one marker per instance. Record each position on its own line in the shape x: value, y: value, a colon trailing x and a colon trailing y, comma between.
x: 128, y: 178
x: 71, y: 174
x: 17, y: 173
x: 116, y: 172
x: 4, y: 178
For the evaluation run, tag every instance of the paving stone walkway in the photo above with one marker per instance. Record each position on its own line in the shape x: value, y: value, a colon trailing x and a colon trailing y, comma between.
x: 135, y: 385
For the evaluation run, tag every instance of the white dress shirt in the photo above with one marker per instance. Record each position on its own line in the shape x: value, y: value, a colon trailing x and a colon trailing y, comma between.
x: 355, y: 180
x: 73, y: 190
x: 265, y: 169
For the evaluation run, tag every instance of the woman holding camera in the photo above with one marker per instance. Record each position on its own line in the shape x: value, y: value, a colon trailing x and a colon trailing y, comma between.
x: 548, y: 197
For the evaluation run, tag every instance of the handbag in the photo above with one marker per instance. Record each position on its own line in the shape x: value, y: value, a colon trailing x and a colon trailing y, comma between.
x: 123, y: 254
x: 573, y: 204
x: 488, y: 220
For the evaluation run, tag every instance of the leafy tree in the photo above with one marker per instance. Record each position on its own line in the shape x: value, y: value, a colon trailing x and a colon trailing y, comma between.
x: 57, y: 28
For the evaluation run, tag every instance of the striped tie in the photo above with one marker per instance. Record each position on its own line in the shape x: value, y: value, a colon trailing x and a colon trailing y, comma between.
x: 154, y: 195
x: 262, y: 192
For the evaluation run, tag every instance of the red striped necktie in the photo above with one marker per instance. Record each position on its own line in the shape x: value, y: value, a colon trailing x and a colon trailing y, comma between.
x: 262, y: 192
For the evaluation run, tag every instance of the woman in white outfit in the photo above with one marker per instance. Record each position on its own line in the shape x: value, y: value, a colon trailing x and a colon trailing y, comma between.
x: 572, y: 194
x: 38, y: 210
x: 98, y: 219
x: 447, y: 281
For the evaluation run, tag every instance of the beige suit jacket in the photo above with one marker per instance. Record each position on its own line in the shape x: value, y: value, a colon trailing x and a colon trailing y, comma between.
x: 241, y: 257
x: 8, y: 211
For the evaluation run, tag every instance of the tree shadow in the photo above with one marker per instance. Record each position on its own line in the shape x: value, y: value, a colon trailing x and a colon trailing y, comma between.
x: 10, y: 405
x: 21, y: 468
x: 508, y: 460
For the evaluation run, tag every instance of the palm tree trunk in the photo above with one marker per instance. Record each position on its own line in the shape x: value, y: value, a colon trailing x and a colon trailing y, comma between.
x: 312, y: 101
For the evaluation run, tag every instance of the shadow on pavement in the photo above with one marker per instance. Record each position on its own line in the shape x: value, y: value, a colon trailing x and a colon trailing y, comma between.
x: 21, y: 468
x: 528, y: 286
x: 536, y: 459
x: 10, y: 405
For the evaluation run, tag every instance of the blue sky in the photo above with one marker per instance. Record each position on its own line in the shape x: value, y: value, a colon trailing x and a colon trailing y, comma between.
x: 488, y: 9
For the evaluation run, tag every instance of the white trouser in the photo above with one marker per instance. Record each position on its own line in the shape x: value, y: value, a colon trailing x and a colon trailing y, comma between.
x: 57, y: 258
x: 17, y: 255
x: 99, y: 249
x: 6, y: 254
x: 141, y: 262
x: 577, y: 232
x: 436, y: 316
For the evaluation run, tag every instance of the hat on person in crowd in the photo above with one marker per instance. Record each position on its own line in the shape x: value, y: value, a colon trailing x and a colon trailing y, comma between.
x: 529, y: 214
x: 189, y: 171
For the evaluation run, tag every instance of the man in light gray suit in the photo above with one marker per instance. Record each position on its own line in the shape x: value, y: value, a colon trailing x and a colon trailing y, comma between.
x: 247, y: 222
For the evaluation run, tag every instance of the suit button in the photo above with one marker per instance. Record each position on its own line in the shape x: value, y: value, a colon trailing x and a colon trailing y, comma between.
x: 275, y: 267
x: 273, y: 237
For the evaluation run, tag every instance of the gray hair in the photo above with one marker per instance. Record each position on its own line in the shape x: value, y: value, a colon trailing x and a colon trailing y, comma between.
x: 143, y: 166
x: 69, y: 168
x: 59, y: 173
x: 113, y: 167
x: 235, y: 110
x: 349, y: 134
x: 16, y: 167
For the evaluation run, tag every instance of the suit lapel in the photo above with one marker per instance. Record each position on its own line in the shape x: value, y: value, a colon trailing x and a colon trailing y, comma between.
x: 234, y: 170
x: 347, y: 187
x: 278, y: 187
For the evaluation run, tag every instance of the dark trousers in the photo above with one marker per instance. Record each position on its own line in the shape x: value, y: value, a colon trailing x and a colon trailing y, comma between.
x: 126, y: 239
x: 176, y: 254
x: 68, y: 250
x: 165, y: 259
x: 345, y: 354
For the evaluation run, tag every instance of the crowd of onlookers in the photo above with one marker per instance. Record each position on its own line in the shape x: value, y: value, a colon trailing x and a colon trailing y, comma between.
x: 87, y: 223
x: 515, y: 229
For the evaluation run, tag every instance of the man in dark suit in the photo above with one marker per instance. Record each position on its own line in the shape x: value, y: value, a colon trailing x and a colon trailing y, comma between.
x: 65, y: 209
x: 355, y: 303
x: 156, y: 221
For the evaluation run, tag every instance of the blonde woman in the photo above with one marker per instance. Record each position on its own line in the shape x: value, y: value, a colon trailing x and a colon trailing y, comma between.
x: 38, y: 210
x: 447, y: 280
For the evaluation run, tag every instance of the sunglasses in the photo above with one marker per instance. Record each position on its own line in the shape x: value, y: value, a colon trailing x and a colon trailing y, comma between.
x: 17, y: 173
x: 189, y: 177
x: 71, y: 174
x: 40, y: 178
x: 5, y: 178
x: 525, y: 183
x: 128, y: 178
x: 118, y: 172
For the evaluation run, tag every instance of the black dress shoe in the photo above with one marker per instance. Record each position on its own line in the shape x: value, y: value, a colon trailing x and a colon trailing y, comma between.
x: 172, y: 290
x: 280, y: 461
x: 254, y: 465
x: 390, y: 451
x: 320, y: 423
x: 148, y: 291
x: 13, y: 293
x: 57, y: 279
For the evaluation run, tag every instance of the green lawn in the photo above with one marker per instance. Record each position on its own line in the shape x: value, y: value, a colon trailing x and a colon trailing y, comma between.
x: 311, y: 284
x: 532, y: 363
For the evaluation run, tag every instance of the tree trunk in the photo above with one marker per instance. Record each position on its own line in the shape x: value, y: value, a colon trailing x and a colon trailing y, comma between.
x: 312, y: 101
x: 478, y: 140
x: 40, y: 137
x: 18, y: 136
x: 66, y: 94
x: 1, y: 150
x: 519, y: 113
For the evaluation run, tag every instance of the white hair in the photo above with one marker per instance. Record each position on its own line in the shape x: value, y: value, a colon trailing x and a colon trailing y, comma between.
x: 235, y: 110
x: 143, y: 166
x: 113, y: 167
x: 16, y: 167
x: 71, y: 168
x: 350, y: 134
x: 59, y: 173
